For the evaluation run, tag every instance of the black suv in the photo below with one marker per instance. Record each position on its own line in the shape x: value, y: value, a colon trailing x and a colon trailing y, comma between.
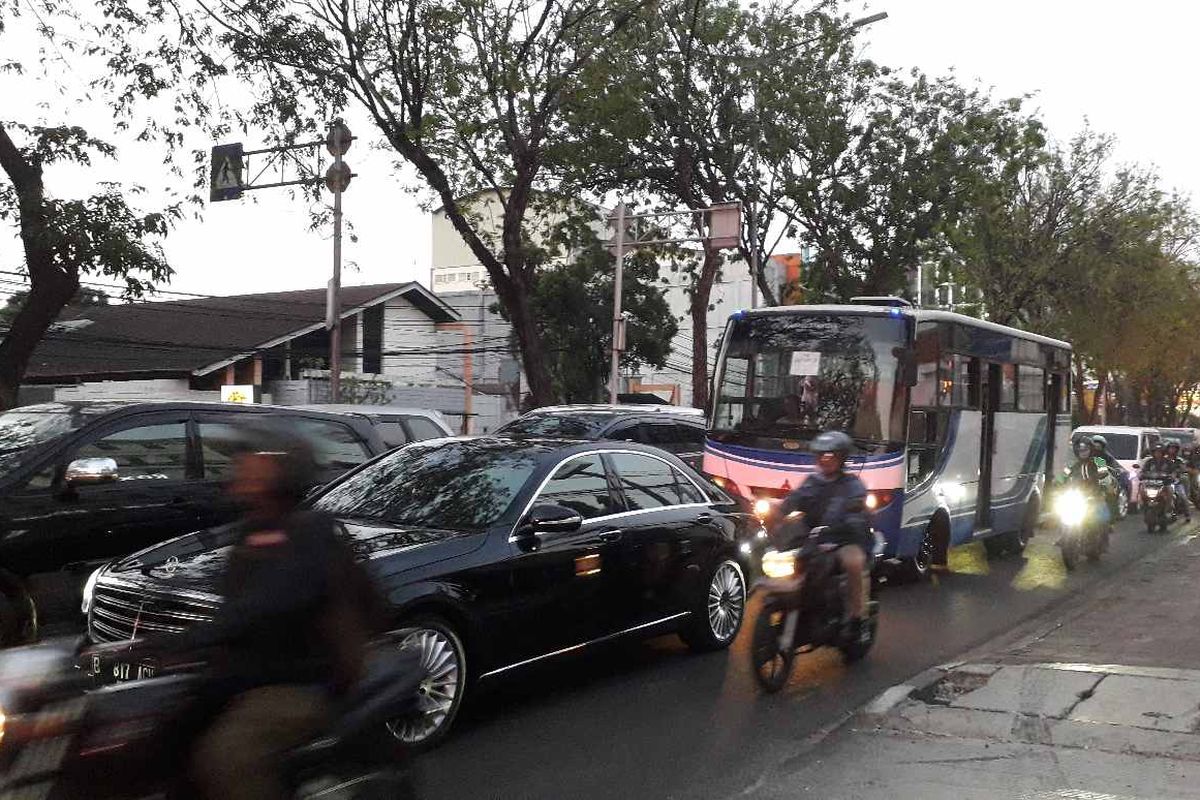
x: 676, y: 429
x: 493, y: 553
x: 82, y: 483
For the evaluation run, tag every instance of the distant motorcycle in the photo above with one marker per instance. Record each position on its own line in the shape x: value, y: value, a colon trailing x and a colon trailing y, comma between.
x: 61, y: 737
x: 1082, y: 526
x: 1159, y: 508
x: 803, y: 590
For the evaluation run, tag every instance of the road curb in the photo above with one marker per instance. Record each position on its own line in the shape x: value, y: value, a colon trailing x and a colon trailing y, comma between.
x: 1024, y: 633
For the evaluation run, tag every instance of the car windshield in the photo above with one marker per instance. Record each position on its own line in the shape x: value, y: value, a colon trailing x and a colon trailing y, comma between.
x: 24, y: 428
x: 570, y: 425
x: 456, y: 485
x: 1121, y: 446
x: 791, y: 376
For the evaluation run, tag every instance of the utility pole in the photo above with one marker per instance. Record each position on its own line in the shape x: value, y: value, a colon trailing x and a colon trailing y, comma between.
x: 337, y: 179
x: 618, y: 320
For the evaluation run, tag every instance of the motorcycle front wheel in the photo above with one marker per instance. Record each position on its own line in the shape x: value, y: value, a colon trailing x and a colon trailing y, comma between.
x: 1070, y: 554
x: 772, y: 666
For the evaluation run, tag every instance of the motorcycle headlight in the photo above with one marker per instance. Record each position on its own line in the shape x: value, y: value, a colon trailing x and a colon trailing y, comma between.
x: 1152, y: 492
x: 89, y: 589
x: 779, y: 565
x: 1071, y: 507
x: 762, y: 508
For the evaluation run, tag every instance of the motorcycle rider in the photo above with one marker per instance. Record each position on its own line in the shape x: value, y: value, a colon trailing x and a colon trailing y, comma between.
x: 1157, y: 467
x: 289, y: 639
x: 1179, y: 476
x: 1100, y: 445
x: 835, y: 500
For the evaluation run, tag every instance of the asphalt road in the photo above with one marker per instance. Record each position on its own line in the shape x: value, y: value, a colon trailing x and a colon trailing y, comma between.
x: 651, y: 720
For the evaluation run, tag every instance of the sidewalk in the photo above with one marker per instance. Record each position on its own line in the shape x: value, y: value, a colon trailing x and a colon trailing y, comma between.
x: 1100, y: 703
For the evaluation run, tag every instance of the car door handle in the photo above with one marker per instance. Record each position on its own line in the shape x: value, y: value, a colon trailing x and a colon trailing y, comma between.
x: 704, y: 519
x: 611, y: 535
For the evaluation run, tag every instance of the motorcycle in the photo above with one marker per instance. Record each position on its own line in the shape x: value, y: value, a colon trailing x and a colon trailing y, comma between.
x: 803, y: 608
x: 62, y: 737
x: 1159, y: 508
x: 1083, y: 525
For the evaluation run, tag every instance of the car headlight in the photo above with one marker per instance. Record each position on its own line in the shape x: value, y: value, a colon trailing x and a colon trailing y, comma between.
x: 89, y: 589
x: 779, y: 565
x: 1071, y: 507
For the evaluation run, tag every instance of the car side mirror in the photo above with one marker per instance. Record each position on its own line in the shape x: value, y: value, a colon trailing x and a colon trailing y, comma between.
x: 90, y: 471
x: 551, y: 518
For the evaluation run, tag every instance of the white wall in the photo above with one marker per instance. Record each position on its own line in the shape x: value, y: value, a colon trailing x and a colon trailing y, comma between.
x: 407, y: 328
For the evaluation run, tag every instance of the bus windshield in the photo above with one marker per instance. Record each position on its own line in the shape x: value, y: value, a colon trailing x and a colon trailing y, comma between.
x: 791, y: 376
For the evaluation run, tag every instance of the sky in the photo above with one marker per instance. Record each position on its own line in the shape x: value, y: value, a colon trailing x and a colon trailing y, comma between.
x: 1127, y: 68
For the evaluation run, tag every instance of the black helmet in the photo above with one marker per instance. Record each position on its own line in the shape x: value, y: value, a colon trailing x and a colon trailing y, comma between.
x: 1158, y: 447
x: 1100, y: 443
x: 1173, y: 446
x: 832, y: 442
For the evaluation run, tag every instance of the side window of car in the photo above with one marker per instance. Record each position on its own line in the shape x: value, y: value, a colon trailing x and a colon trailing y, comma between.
x: 219, y: 441
x: 149, y: 452
x: 690, y: 437
x: 392, y: 432
x: 650, y: 483
x: 624, y: 432
x: 580, y: 485
x: 423, y: 429
x: 661, y: 434
x: 336, y: 447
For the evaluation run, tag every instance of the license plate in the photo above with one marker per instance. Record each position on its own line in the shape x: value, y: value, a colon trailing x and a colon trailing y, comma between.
x: 122, y: 670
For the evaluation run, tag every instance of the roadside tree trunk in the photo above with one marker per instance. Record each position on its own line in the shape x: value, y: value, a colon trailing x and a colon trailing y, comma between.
x: 700, y: 300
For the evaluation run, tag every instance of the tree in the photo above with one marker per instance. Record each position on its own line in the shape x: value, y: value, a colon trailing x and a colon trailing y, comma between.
x: 689, y: 122
x: 572, y: 302
x: 469, y: 92
x: 143, y: 63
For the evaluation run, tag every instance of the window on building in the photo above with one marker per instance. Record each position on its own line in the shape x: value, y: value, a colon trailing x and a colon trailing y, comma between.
x: 372, y: 339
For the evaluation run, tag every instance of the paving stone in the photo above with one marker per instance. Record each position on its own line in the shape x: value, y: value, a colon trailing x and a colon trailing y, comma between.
x: 1143, y: 703
x: 1030, y: 690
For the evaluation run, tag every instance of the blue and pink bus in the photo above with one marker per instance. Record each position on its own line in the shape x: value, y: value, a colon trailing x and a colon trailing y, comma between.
x: 958, y: 422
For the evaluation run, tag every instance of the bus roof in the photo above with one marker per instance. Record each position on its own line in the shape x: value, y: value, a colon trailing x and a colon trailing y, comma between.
x: 919, y: 314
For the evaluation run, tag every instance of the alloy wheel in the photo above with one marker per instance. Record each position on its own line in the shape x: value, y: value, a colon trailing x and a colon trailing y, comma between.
x: 438, y: 692
x: 726, y: 601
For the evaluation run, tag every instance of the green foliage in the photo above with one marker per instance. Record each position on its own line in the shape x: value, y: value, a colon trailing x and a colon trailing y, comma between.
x: 572, y: 301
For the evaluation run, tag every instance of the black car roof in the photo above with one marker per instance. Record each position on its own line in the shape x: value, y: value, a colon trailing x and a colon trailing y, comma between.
x: 558, y: 446
x: 97, y: 408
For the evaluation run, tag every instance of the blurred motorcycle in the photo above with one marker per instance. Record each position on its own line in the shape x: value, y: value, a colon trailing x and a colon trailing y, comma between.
x: 62, y: 737
x: 1083, y: 530
x: 1158, y: 503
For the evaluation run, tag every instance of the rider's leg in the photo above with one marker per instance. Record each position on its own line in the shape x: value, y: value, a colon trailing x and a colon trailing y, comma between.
x: 854, y: 564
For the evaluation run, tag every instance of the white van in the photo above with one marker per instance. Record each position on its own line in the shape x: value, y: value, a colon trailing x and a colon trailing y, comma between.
x: 1128, y: 445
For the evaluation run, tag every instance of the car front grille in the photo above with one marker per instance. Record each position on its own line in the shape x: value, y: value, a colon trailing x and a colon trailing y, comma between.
x: 121, y: 612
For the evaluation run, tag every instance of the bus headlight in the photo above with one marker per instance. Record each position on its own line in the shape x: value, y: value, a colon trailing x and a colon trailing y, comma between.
x: 779, y: 565
x: 1071, y: 507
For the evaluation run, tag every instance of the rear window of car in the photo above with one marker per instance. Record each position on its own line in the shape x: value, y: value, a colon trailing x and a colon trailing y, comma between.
x: 423, y: 429
x: 557, y: 426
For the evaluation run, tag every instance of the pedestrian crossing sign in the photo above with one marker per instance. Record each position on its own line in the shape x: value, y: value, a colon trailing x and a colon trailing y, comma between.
x: 225, y: 182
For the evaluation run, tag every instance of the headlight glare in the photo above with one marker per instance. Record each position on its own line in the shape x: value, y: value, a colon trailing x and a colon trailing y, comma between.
x: 779, y: 565
x: 1071, y: 507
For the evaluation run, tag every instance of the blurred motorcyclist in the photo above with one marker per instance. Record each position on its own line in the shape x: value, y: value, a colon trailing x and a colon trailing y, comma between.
x: 290, y: 636
x: 1090, y: 468
x: 1179, y: 476
x: 836, y: 501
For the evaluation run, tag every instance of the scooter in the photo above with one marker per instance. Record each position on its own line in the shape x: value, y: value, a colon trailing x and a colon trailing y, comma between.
x: 61, y: 737
x: 1083, y: 530
x: 803, y: 591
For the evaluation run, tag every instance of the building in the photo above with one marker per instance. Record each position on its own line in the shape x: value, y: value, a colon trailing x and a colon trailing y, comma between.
x: 395, y: 339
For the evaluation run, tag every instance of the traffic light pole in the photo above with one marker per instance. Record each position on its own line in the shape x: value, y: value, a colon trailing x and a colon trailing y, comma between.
x: 335, y: 293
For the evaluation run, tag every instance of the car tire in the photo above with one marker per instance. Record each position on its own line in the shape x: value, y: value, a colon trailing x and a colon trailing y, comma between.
x: 442, y: 691
x: 719, y: 612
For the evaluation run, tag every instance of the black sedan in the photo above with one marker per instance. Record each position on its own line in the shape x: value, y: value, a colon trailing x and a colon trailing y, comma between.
x: 493, y: 554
